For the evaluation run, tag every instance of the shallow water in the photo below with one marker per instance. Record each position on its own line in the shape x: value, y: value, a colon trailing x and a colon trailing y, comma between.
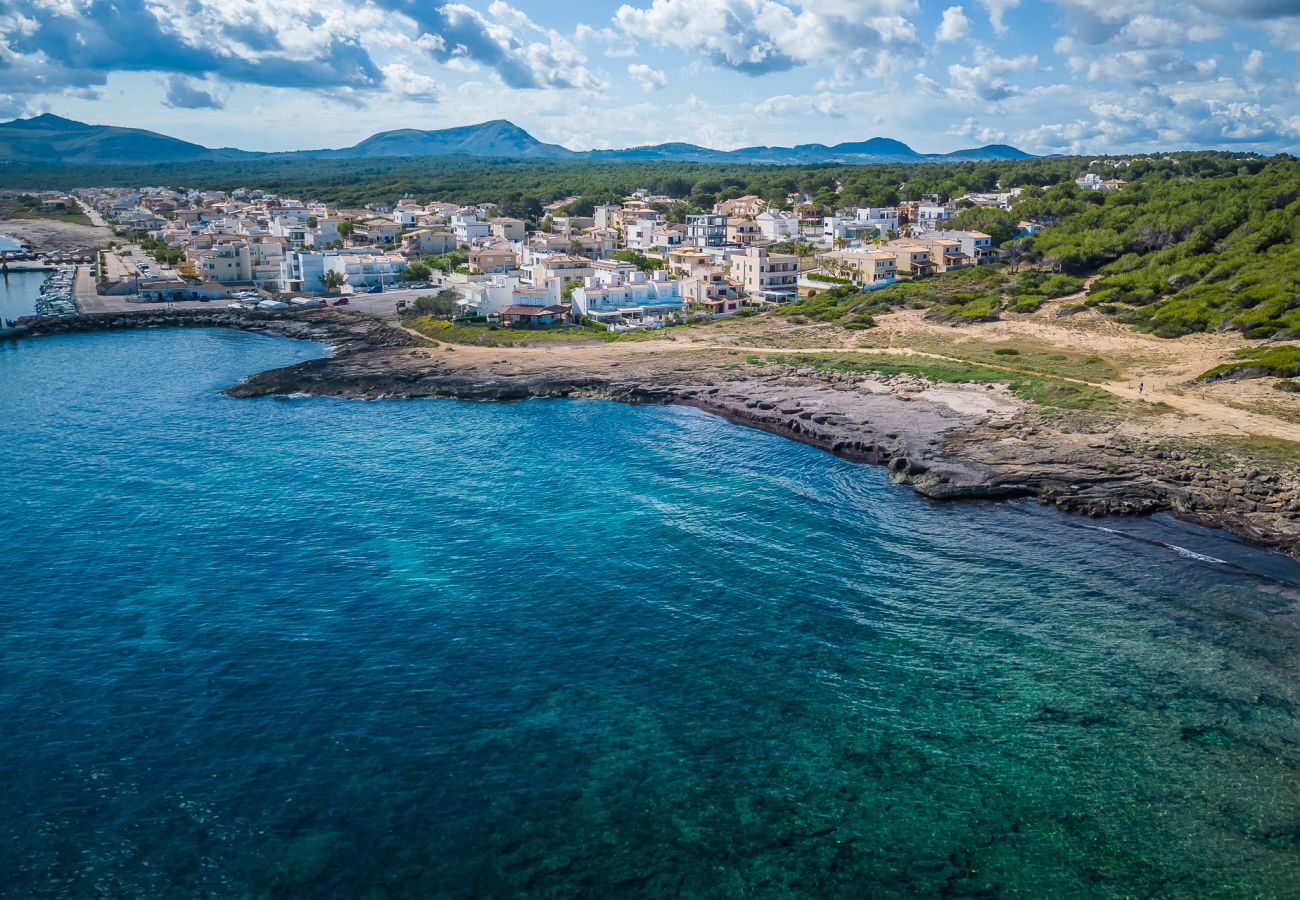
x: 333, y: 648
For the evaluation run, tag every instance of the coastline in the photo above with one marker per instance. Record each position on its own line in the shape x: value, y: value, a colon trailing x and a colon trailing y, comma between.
x: 952, y: 443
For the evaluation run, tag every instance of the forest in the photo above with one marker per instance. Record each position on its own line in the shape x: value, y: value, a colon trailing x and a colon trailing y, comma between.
x: 522, y: 187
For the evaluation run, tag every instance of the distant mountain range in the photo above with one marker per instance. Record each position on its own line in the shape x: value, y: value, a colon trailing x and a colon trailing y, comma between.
x: 52, y: 140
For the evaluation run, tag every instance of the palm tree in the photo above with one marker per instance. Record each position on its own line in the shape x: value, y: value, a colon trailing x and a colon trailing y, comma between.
x: 575, y: 247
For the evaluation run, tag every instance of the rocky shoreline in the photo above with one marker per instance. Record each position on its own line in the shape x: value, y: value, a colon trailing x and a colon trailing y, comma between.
x: 944, y: 451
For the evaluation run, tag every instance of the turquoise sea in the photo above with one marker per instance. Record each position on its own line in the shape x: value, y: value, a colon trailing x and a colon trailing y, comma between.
x: 325, y: 648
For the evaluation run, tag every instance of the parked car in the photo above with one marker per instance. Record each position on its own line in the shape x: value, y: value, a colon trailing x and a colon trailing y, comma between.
x: 341, y: 301
x: 377, y: 289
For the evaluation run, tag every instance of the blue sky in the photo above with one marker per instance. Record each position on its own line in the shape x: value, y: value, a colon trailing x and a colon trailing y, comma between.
x: 1049, y: 76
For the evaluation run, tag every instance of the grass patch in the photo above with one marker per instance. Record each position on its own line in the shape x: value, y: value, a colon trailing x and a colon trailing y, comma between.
x: 21, y: 209
x: 492, y: 336
x: 1257, y: 362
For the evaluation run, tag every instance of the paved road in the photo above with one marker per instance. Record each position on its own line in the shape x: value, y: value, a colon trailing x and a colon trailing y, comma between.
x: 384, y: 304
x: 95, y: 218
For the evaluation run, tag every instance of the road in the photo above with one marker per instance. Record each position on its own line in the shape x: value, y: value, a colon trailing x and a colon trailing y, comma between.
x: 384, y: 304
x: 95, y: 217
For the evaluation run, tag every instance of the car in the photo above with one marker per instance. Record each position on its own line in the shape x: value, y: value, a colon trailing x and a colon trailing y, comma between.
x: 342, y: 301
x: 377, y: 289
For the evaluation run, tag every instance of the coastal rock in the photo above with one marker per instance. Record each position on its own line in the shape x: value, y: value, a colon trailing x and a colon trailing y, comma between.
x: 941, y: 453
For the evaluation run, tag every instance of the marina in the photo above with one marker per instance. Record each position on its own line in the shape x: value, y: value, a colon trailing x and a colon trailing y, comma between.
x: 56, y: 296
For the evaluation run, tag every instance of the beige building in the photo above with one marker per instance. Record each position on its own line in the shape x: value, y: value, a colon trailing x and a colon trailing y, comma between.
x: 493, y: 260
x: 743, y: 231
x: 762, y: 273
x: 863, y: 266
x: 242, y: 260
x: 685, y: 260
x: 746, y: 207
x: 506, y: 229
x: 565, y: 266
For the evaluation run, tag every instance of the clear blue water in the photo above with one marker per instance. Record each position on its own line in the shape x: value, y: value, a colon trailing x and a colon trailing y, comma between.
x: 19, y: 292
x: 320, y: 648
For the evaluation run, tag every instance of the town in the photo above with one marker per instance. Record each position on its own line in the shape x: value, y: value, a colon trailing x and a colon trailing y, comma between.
x: 641, y: 264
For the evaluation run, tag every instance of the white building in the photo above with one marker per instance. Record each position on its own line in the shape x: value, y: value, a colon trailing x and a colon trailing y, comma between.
x: 881, y: 219
x: 468, y: 228
x: 637, y: 303
x: 361, y: 267
x: 497, y: 292
x: 930, y: 216
x: 778, y: 225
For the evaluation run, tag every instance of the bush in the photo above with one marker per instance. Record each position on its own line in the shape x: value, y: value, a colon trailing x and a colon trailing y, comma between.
x: 1007, y: 351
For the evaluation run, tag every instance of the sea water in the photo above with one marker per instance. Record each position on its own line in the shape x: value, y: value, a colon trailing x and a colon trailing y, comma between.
x: 19, y: 292
x: 334, y: 648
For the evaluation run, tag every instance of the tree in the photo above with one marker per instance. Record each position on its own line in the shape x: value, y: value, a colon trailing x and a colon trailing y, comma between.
x: 333, y: 279
x: 569, y: 285
x: 575, y: 247
x: 416, y: 271
x: 346, y: 228
x: 312, y: 221
x: 443, y: 305
x: 998, y: 224
x: 640, y: 260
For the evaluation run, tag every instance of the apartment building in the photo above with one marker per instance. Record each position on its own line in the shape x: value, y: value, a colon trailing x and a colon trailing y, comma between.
x: 767, y: 275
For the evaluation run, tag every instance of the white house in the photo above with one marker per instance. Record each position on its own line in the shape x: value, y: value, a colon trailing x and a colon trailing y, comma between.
x: 778, y: 225
x: 880, y: 218
x: 930, y: 216
x: 361, y: 267
x: 468, y: 228
x: 497, y: 292
x: 975, y: 244
x: 637, y: 303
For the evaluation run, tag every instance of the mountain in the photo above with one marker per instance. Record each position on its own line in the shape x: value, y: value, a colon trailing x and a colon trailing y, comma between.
x: 495, y: 138
x: 52, y: 140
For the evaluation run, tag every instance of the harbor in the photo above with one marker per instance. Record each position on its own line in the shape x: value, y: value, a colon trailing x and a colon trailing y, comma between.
x: 42, y: 292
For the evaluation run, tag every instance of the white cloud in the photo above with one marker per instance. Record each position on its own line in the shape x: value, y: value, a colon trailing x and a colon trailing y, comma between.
x: 649, y: 79
x: 401, y: 79
x: 986, y: 77
x: 997, y: 10
x: 954, y: 26
x: 972, y: 130
x: 758, y: 37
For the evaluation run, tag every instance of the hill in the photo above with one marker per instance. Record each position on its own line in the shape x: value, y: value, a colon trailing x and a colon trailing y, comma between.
x: 52, y: 140
x: 49, y: 139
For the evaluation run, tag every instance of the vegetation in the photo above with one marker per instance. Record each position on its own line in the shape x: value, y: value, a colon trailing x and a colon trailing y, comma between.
x: 480, y: 333
x: 640, y: 260
x: 29, y: 207
x: 442, y: 305
x: 1204, y: 248
x: 1282, y: 361
x: 447, y: 262
x: 416, y: 271
x: 160, y: 251
x: 976, y: 294
x: 333, y: 280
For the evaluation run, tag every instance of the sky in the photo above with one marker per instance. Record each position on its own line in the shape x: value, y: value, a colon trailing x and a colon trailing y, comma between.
x: 1048, y: 76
